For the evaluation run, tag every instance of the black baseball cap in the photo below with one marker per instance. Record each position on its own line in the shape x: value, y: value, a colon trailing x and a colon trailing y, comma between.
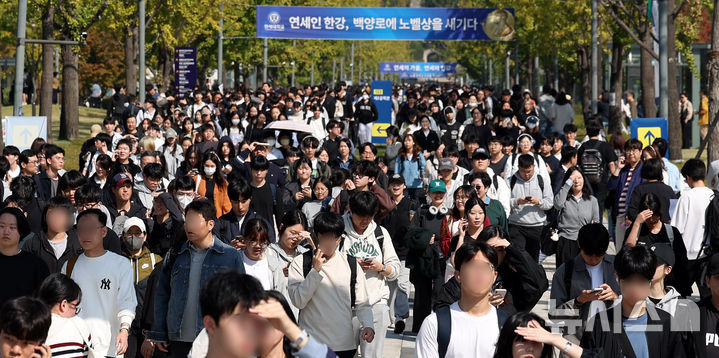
x: 664, y: 253
x: 480, y: 154
x: 396, y: 179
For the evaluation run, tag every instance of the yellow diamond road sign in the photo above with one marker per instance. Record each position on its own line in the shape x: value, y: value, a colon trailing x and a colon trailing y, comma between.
x: 380, y: 129
x: 647, y: 135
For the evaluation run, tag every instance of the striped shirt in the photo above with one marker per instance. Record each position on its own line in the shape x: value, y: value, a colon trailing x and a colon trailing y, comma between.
x: 625, y: 193
x: 68, y: 337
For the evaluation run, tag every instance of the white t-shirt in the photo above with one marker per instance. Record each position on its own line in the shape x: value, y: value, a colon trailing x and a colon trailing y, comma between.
x: 108, y: 297
x: 68, y: 337
x: 596, y: 273
x: 689, y: 218
x: 471, y: 336
x: 259, y: 270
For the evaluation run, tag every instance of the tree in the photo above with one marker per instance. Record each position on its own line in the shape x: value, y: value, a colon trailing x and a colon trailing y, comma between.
x: 75, y: 17
x: 713, y: 84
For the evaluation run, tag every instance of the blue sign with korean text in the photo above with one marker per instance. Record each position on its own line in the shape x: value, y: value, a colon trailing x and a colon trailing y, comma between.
x: 185, y: 69
x: 419, y: 69
x: 382, y: 98
x: 389, y: 23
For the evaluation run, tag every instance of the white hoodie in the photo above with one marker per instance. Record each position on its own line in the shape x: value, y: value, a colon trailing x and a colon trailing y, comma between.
x: 366, y: 246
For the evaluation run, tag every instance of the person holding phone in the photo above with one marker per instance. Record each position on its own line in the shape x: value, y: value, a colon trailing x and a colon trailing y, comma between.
x: 299, y: 191
x: 531, y: 197
x: 24, y: 325
x: 326, y: 290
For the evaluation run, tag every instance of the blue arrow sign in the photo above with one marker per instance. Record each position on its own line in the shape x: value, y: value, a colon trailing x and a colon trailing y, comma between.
x: 649, y: 137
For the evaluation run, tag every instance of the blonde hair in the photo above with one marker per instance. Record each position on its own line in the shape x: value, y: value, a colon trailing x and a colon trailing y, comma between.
x: 147, y: 144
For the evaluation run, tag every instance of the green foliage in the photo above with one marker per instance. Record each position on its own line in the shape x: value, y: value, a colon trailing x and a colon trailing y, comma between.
x: 688, y: 27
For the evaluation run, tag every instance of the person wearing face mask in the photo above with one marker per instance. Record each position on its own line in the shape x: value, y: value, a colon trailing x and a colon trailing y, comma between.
x: 506, y: 123
x: 143, y: 262
x: 212, y: 184
x: 234, y: 130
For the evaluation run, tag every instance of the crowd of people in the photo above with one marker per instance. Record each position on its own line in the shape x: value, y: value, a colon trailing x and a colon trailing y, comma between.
x: 193, y: 228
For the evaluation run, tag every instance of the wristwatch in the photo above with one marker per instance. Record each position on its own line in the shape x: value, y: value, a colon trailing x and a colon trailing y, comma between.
x: 125, y: 328
x: 296, y: 344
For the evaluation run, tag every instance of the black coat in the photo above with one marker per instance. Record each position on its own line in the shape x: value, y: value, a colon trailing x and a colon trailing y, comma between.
x: 662, y: 343
x: 44, y: 186
x: 39, y: 246
x: 423, y: 259
x: 227, y: 226
x: 524, y: 279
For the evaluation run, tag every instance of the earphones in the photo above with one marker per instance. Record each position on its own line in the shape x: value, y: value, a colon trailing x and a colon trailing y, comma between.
x: 441, y: 210
x: 519, y: 139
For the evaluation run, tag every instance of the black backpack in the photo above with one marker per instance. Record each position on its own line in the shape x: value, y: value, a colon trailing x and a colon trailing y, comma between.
x: 444, y: 327
x: 592, y: 165
x: 711, y: 231
x: 351, y: 260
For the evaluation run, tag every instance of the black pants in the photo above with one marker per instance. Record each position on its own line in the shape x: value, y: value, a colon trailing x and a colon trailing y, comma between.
x: 686, y: 135
x: 346, y: 354
x: 526, y: 237
x: 424, y: 292
x: 134, y: 343
x: 566, y: 250
x: 179, y: 349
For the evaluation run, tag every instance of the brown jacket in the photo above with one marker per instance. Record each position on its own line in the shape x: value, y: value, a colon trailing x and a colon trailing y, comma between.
x: 386, y: 204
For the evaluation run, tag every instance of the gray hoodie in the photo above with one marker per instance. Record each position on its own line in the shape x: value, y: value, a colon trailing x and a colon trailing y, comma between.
x: 366, y: 246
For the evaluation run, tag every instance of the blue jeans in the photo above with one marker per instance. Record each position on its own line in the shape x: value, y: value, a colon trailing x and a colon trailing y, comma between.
x: 399, y: 295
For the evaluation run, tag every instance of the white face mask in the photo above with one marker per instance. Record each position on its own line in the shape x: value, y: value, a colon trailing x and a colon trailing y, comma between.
x: 365, y: 96
x: 285, y: 141
x: 235, y: 121
x: 184, y: 200
x: 271, y: 142
x: 210, y: 171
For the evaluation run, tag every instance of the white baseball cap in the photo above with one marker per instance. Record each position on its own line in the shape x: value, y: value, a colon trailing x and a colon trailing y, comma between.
x: 133, y: 221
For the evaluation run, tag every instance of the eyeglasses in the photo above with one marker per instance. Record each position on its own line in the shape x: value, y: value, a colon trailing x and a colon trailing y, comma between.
x: 261, y: 245
x: 358, y: 175
x: 76, y: 306
x: 86, y: 206
x: 484, y: 268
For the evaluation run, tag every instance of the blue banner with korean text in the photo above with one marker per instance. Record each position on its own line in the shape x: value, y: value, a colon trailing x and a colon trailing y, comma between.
x: 419, y: 69
x: 373, y: 23
x: 185, y: 69
x: 382, y: 98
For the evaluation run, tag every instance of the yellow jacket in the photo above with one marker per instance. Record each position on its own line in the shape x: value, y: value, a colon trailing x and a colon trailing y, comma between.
x: 704, y: 112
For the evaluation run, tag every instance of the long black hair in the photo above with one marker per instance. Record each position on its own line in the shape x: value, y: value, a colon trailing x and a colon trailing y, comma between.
x: 586, y: 191
x: 507, y: 336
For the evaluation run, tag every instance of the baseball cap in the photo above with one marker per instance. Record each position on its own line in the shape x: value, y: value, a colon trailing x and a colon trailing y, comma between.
x: 446, y: 164
x: 396, y: 179
x: 437, y: 185
x: 170, y: 133
x: 532, y: 122
x: 121, y: 178
x: 664, y: 253
x: 133, y: 221
x: 480, y: 154
x: 713, y: 266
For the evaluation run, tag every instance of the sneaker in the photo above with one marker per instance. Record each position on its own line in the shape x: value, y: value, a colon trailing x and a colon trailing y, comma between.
x: 399, y: 327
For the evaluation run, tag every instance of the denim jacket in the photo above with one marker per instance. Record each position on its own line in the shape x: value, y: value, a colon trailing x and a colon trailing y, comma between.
x: 171, y: 293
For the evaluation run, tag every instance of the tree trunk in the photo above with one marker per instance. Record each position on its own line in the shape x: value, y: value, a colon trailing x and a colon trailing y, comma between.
x: 616, y: 80
x: 130, y: 66
x: 48, y: 55
x: 69, y: 125
x: 165, y: 59
x: 584, y: 64
x: 674, y: 122
x: 713, y: 84
x: 646, y: 69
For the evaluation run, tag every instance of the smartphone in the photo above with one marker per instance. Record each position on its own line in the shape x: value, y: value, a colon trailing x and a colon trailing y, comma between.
x: 528, y: 198
x: 597, y: 290
x: 501, y: 291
